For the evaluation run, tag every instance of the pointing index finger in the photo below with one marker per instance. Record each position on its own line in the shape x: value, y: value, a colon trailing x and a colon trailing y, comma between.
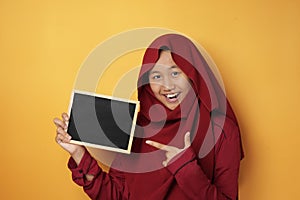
x: 158, y: 145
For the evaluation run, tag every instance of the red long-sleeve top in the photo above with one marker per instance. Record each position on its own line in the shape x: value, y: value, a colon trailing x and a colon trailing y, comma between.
x: 188, y: 177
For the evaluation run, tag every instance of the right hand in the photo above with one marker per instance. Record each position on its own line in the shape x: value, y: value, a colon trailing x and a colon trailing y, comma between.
x: 63, y: 138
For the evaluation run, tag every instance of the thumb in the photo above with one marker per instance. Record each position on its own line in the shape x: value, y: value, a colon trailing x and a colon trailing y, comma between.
x: 187, y: 140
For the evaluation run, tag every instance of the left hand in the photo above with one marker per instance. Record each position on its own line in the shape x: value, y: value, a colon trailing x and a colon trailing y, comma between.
x: 171, y: 151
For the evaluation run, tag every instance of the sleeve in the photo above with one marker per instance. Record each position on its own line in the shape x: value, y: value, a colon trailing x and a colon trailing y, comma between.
x: 193, y: 181
x: 104, y: 185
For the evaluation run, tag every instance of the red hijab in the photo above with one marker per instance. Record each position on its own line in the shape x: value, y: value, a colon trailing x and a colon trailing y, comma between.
x: 205, y: 105
x: 202, y: 106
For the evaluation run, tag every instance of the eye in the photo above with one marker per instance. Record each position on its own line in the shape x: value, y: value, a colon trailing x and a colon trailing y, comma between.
x: 175, y: 74
x: 156, y: 77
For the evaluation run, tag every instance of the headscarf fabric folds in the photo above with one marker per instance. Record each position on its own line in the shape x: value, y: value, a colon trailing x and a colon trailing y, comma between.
x: 205, y: 113
x: 207, y: 99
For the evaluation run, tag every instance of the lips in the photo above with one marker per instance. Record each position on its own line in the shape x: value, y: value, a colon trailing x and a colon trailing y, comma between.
x: 172, y: 97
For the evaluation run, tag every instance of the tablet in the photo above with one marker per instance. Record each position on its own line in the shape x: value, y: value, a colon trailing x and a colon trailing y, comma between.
x: 102, y: 121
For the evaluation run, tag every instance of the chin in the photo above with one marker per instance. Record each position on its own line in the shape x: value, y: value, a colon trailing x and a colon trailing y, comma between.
x: 171, y: 107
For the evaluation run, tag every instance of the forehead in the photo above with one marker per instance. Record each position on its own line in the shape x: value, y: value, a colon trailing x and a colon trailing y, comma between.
x: 159, y: 68
x: 165, y: 58
x: 165, y: 62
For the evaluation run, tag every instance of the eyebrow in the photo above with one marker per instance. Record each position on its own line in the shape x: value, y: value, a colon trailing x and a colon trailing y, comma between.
x: 153, y: 72
x: 172, y: 67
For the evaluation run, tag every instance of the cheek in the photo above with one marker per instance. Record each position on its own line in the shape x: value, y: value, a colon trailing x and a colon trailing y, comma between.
x: 155, y: 88
x: 184, y: 85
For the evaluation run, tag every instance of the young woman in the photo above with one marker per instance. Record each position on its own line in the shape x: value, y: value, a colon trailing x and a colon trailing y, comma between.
x: 187, y: 144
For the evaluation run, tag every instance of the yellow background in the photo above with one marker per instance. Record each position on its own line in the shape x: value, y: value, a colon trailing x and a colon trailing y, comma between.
x: 255, y: 44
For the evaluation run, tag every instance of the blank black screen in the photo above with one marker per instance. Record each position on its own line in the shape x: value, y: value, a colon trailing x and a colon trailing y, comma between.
x: 101, y: 121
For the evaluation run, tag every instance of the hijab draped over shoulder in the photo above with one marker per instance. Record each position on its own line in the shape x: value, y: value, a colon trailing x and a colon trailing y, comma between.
x: 205, y: 113
x: 204, y: 106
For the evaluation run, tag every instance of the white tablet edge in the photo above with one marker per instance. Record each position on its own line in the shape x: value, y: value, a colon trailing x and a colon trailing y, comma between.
x: 128, y: 150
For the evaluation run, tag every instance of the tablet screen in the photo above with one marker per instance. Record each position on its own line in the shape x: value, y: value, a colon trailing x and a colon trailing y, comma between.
x: 102, y: 121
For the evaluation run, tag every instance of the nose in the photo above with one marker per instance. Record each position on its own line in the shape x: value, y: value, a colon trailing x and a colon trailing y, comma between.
x: 168, y: 84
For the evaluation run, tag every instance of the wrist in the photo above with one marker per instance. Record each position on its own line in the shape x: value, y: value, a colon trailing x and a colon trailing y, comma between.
x: 77, y: 154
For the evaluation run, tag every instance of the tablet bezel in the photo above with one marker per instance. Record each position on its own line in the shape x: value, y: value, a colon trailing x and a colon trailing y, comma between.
x: 133, y: 125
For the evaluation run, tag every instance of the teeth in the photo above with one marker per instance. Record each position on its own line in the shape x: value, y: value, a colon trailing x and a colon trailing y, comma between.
x: 171, y: 95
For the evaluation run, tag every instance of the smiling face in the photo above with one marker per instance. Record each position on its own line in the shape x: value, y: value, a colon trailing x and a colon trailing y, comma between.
x: 168, y: 82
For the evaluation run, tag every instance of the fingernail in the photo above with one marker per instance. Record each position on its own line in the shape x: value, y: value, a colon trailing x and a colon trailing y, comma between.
x: 148, y: 141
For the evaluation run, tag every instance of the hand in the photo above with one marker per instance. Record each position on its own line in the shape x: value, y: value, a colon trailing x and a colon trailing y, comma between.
x: 171, y: 151
x: 63, y: 138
